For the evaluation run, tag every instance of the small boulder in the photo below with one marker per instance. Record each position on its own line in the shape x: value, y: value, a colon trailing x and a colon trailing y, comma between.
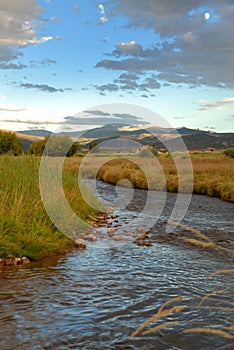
x: 80, y: 244
x: 9, y: 261
x: 18, y: 261
x: 25, y: 260
x: 91, y: 238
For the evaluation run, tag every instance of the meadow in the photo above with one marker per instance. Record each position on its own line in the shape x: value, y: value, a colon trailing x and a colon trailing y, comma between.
x: 213, y: 173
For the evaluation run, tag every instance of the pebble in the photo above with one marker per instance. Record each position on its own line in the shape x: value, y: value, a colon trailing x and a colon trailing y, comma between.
x: 143, y: 244
x: 116, y: 238
x: 13, y: 261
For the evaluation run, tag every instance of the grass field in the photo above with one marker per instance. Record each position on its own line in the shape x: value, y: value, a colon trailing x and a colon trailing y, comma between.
x: 25, y: 228
x: 213, y: 173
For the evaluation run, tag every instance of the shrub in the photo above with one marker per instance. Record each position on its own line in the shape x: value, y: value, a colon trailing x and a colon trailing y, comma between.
x: 55, y: 146
x: 9, y: 143
x: 229, y: 152
x: 147, y: 152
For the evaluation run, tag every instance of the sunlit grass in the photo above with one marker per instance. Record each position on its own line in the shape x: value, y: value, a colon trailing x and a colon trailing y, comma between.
x: 25, y: 228
x: 213, y: 173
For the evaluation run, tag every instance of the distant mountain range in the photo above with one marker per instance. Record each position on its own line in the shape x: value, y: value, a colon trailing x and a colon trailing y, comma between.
x: 37, y: 132
x: 194, y: 139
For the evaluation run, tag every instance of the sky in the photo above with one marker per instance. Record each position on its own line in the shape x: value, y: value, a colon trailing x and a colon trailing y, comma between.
x: 59, y: 59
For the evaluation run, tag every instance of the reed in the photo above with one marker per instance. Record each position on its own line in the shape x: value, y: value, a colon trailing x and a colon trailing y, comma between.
x: 162, y: 313
x: 226, y: 332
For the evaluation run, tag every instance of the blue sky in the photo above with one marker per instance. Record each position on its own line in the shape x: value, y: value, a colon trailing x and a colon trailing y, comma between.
x: 58, y: 58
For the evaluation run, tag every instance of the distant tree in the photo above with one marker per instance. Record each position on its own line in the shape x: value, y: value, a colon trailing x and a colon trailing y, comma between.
x: 37, y: 148
x: 229, y: 152
x: 148, y: 151
x: 9, y: 143
x: 55, y: 146
x: 74, y: 149
x: 94, y: 147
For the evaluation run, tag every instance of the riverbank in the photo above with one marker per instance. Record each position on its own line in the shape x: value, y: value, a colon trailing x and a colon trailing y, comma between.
x: 25, y: 228
x: 27, y: 231
x: 213, y: 174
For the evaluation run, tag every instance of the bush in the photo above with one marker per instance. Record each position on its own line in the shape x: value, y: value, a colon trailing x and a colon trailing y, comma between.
x: 147, y: 152
x: 94, y: 147
x: 9, y: 143
x: 229, y: 152
x: 55, y: 146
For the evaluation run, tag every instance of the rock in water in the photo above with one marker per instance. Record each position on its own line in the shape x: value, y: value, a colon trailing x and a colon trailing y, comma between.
x: 80, y: 244
x: 25, y: 260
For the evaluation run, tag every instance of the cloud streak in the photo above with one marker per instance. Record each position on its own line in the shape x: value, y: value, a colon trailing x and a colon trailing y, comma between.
x: 97, y: 117
x: 43, y: 87
x: 220, y: 104
x: 10, y: 109
x: 31, y: 121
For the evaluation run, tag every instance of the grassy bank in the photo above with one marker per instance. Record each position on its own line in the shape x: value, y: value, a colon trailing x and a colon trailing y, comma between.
x: 213, y: 173
x: 25, y: 228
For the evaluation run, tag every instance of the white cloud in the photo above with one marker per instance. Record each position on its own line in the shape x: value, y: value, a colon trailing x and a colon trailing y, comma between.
x: 192, y: 50
x: 18, y: 22
x: 101, y: 9
x: 103, y: 18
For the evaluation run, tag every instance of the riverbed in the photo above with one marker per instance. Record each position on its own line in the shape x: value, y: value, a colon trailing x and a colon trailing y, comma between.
x: 97, y: 298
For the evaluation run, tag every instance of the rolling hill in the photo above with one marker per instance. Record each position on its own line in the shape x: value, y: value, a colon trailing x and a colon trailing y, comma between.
x: 194, y: 139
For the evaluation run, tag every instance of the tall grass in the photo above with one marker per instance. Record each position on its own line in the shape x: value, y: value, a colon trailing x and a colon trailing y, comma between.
x: 213, y: 174
x: 25, y: 228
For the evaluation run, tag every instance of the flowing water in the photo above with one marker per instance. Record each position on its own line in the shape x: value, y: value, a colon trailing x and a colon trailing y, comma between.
x: 95, y: 299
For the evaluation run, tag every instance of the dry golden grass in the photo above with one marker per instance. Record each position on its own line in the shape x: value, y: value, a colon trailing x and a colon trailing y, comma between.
x: 211, y: 331
x: 226, y: 332
x: 220, y: 272
x: 163, y: 312
x: 213, y: 173
x: 203, y: 242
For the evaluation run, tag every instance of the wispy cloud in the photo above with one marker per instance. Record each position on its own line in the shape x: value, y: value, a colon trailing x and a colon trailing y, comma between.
x: 12, y: 66
x: 11, y: 109
x: 219, y: 105
x: 43, y: 87
x: 45, y: 62
x: 30, y: 121
x: 97, y: 117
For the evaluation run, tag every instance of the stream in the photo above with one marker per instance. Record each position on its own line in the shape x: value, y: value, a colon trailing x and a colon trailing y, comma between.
x: 95, y: 299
